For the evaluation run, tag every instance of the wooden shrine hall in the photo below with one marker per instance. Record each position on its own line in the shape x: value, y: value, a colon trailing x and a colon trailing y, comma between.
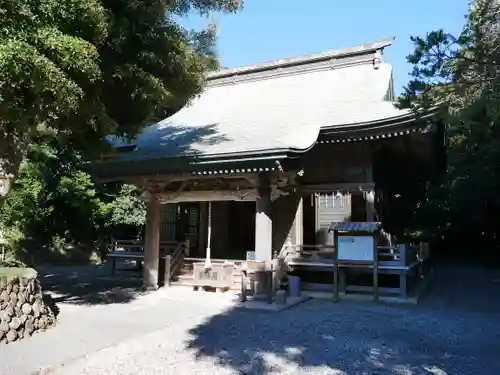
x: 271, y: 154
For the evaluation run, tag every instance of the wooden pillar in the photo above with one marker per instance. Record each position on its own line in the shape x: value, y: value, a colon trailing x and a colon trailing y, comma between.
x: 152, y: 244
x: 203, y: 229
x: 263, y: 223
x: 298, y: 227
x: 370, y: 205
x: 370, y: 197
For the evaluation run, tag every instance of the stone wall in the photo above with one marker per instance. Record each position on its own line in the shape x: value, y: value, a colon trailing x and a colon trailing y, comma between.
x: 22, y: 308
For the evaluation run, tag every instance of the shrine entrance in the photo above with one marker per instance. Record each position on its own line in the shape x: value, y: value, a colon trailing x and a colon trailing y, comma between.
x: 232, y: 233
x: 188, y: 224
x: 241, y: 229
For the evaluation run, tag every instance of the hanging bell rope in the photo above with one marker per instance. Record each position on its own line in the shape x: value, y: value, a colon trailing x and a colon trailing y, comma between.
x: 208, y: 262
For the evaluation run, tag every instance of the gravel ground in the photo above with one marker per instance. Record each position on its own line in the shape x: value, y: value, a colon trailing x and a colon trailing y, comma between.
x: 183, y: 332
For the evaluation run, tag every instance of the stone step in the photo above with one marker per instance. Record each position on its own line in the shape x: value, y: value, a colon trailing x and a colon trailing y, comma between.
x: 185, y: 277
x: 189, y: 283
x: 214, y: 261
x: 188, y: 278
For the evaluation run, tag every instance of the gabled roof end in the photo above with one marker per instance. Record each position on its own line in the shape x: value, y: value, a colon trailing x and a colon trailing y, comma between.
x: 360, y: 50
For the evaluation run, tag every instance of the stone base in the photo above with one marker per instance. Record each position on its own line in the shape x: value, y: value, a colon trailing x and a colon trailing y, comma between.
x: 281, y: 297
x: 410, y: 300
x: 262, y: 305
x: 149, y: 288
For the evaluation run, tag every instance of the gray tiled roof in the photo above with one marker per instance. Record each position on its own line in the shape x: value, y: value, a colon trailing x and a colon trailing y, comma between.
x: 252, y: 114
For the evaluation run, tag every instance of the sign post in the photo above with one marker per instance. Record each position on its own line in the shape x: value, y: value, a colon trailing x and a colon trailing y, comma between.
x: 355, y: 246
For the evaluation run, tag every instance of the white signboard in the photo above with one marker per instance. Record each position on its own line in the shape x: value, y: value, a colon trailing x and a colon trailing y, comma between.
x: 355, y: 248
x: 250, y: 255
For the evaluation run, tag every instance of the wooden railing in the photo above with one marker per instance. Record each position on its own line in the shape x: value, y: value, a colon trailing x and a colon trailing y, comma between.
x: 171, y: 252
x: 166, y: 247
x: 402, y: 255
x: 174, y: 261
x: 401, y: 261
x: 308, y: 252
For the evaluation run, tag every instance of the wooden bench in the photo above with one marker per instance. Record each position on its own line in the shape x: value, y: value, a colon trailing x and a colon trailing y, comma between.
x: 134, y: 250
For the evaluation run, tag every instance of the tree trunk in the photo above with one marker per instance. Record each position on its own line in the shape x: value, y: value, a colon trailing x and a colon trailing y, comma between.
x: 11, y: 157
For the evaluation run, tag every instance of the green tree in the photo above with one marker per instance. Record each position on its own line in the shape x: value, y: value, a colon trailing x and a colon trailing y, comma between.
x: 125, y: 212
x: 462, y: 74
x: 55, y: 208
x: 80, y: 70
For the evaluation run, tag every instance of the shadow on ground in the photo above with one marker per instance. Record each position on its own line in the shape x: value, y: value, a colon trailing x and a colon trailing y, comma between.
x: 456, y: 336
x: 90, y: 284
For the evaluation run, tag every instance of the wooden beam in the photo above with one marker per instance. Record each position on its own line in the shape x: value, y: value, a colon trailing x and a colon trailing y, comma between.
x: 174, y: 178
x: 162, y: 178
x: 351, y: 186
x: 208, y: 195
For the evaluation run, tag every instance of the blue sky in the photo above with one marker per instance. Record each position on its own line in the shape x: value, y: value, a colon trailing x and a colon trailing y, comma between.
x: 272, y: 29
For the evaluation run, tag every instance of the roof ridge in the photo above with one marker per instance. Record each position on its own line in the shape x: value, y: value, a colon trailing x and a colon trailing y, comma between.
x: 361, y: 49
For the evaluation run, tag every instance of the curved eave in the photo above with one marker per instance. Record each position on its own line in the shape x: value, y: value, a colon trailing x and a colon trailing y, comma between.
x: 264, y: 161
x: 385, y: 128
x: 245, y: 156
